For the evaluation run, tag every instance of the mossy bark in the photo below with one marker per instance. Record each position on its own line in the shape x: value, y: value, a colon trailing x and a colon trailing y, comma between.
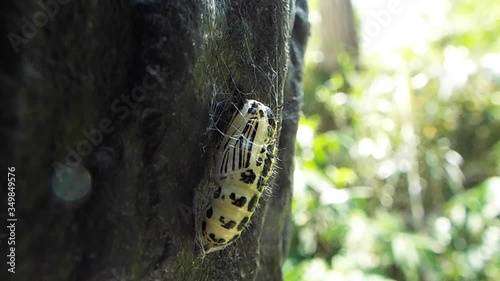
x: 109, y: 119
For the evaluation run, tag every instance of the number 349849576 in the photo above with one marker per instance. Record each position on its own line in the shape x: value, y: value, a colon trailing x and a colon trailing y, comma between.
x: 11, y: 187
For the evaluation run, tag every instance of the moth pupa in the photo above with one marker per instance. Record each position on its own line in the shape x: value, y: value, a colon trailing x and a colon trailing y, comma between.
x: 243, y: 166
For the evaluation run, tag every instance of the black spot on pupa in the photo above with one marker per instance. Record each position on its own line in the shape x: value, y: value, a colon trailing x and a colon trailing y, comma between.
x: 222, y: 219
x: 242, y: 224
x: 229, y: 225
x: 267, y: 165
x: 252, y: 111
x: 253, y: 108
x: 261, y: 113
x: 260, y: 184
x: 232, y: 196
x: 269, y: 150
x: 212, y: 237
x: 248, y: 176
x: 221, y: 241
x: 217, y: 193
x: 263, y: 150
x: 210, y: 212
x: 240, y: 202
x: 270, y: 118
x: 251, y: 204
x: 259, y: 161
x: 203, y: 226
x: 265, y: 171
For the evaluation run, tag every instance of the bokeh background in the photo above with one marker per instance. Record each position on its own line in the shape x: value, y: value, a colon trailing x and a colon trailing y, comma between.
x: 398, y: 151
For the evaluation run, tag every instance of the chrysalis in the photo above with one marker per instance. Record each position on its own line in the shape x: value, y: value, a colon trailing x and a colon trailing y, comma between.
x: 244, y: 162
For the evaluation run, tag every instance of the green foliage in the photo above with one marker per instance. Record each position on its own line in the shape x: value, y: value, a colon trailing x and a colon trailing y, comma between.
x: 398, y: 164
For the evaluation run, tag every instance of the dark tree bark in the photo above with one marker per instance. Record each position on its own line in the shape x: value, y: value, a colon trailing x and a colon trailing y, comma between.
x: 110, y: 121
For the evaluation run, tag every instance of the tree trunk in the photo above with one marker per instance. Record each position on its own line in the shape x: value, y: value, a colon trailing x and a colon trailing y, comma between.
x: 110, y: 122
x: 338, y: 33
